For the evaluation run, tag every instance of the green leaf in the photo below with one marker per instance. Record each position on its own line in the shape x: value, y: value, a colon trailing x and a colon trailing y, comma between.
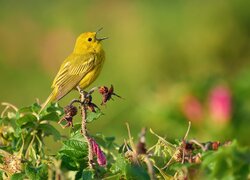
x: 76, y: 128
x: 11, y: 115
x: 92, y: 116
x: 17, y: 132
x: 87, y: 174
x: 119, y: 165
x: 52, y: 116
x: 9, y: 121
x: 55, y: 107
x: 39, y: 173
x: 227, y: 162
x: 110, y: 142
x: 70, y: 163
x: 25, y: 119
x: 30, y: 125
x: 17, y: 176
x: 74, y: 152
x: 75, y: 147
x: 27, y: 109
x: 35, y: 107
x: 136, y: 172
x: 50, y: 130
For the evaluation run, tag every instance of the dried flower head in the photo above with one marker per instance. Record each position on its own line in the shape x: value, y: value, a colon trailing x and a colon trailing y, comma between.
x: 70, y: 111
x: 107, y: 93
x: 88, y: 103
x: 12, y: 164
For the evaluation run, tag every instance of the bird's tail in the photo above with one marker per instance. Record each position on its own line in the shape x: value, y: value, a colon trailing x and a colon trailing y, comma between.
x: 51, y: 98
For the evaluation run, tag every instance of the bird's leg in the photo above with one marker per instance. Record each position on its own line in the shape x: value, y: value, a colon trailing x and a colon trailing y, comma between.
x: 82, y: 93
x: 92, y: 90
x: 79, y: 90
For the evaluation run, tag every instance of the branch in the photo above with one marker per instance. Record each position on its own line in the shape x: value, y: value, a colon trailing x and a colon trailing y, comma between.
x: 84, y: 129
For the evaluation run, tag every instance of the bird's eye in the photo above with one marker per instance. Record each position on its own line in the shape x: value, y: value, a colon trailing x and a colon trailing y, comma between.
x: 89, y: 39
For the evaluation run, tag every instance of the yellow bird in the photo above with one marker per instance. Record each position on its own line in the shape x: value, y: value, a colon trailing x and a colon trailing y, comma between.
x: 80, y: 68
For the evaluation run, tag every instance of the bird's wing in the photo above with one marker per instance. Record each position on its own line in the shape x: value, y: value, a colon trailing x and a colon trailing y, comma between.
x: 71, y: 72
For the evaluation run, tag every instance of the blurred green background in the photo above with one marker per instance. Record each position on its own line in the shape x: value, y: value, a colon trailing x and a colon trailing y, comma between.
x: 172, y: 61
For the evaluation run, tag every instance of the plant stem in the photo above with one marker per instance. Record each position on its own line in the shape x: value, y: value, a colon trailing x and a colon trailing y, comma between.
x: 150, y: 167
x: 84, y: 130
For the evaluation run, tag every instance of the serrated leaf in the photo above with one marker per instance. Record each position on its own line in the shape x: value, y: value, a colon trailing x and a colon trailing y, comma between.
x: 25, y: 109
x: 87, y: 174
x: 48, y: 129
x: 39, y: 173
x: 77, y: 127
x: 29, y: 125
x: 92, y: 116
x: 25, y: 119
x: 227, y: 162
x: 5, y: 120
x: 136, y: 172
x: 17, y: 176
x: 69, y: 163
x: 17, y: 132
x: 35, y: 107
x: 119, y: 165
x: 110, y: 142
x: 74, y: 148
x: 52, y: 116
x: 54, y: 107
x: 75, y: 144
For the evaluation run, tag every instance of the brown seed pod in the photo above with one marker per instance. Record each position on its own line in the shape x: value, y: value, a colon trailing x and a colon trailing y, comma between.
x: 103, y: 89
x: 70, y: 110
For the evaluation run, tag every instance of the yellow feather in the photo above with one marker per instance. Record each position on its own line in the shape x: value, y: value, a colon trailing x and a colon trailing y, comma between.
x: 80, y: 68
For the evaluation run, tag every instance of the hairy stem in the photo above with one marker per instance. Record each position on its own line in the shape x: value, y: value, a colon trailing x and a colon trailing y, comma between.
x: 84, y: 129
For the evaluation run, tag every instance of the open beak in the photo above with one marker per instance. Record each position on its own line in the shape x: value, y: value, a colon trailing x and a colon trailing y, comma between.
x: 100, y: 39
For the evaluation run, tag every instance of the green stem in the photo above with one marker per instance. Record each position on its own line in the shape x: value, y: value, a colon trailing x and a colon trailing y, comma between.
x: 30, y: 145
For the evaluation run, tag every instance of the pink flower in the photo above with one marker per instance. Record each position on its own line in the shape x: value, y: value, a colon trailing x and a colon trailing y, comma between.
x: 192, y: 109
x: 101, y: 159
x: 220, y: 104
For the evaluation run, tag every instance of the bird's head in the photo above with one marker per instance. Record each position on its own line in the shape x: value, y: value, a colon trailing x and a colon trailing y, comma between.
x: 88, y: 42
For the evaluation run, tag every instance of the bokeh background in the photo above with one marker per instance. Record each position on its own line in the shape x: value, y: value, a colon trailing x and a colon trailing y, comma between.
x: 172, y: 61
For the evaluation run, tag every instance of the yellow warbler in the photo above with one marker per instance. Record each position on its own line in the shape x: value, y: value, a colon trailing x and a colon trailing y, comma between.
x: 80, y: 68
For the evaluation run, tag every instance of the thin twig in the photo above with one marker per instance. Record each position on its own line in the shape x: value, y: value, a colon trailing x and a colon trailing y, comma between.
x: 134, y: 152
x: 30, y: 146
x: 165, y: 176
x: 149, y: 167
x: 189, y: 126
x: 130, y: 138
x: 74, y: 101
x: 184, y: 139
x: 151, y: 148
x: 198, y: 144
x: 170, y: 160
x: 10, y: 105
x: 178, y: 149
x: 162, y: 139
x: 3, y: 112
x: 7, y: 106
